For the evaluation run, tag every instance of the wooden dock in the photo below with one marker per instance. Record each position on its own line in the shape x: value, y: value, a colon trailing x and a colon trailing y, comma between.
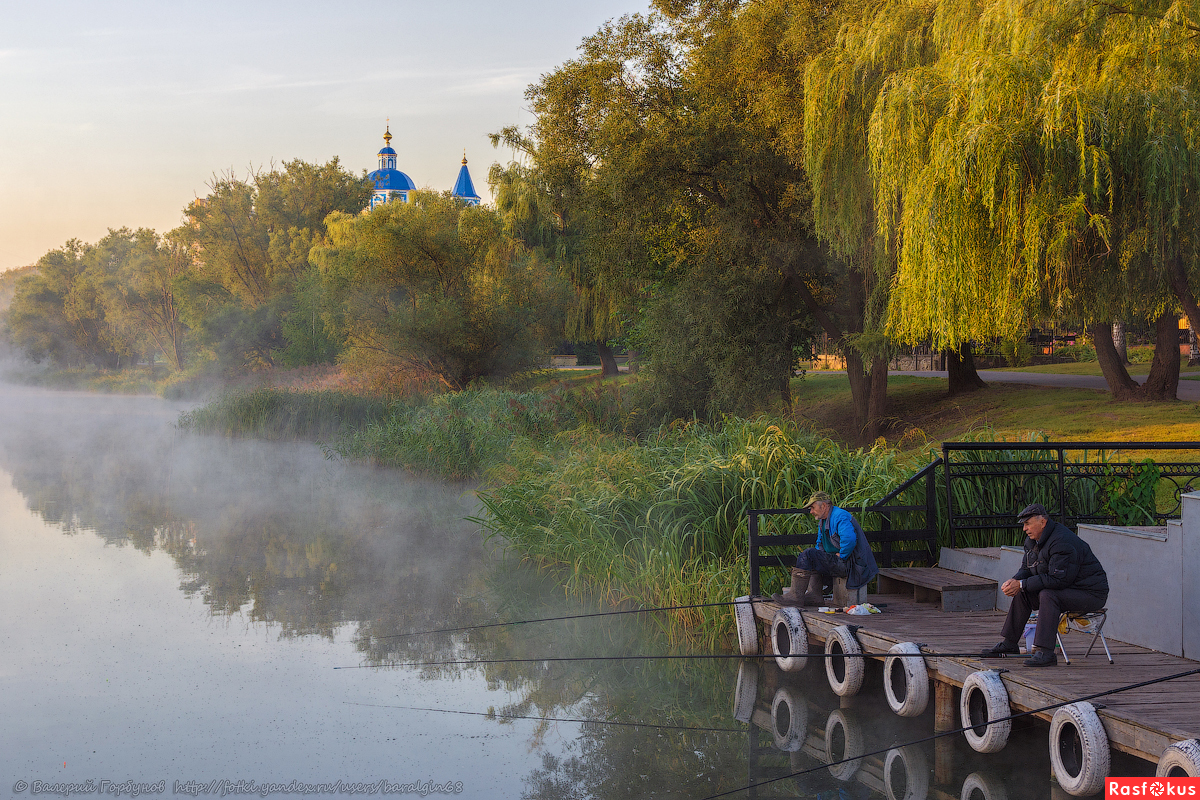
x: 1140, y: 722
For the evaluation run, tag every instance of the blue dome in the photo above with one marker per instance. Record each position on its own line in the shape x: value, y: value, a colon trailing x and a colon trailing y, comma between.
x: 387, y: 151
x: 392, y: 179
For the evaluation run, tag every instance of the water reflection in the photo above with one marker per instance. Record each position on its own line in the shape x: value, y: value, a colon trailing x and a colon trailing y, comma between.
x: 804, y: 738
x: 275, y: 538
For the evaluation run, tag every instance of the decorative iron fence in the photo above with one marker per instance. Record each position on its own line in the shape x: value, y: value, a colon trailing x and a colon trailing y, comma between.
x: 986, y: 484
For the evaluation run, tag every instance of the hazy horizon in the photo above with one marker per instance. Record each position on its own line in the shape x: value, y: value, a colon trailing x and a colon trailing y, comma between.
x: 118, y: 115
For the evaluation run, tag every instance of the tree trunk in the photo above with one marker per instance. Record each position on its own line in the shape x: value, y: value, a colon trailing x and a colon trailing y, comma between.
x: 1116, y: 376
x: 1193, y: 350
x: 1119, y: 340
x: 608, y: 363
x: 631, y: 366
x: 1163, y: 382
x: 868, y: 392
x: 960, y: 369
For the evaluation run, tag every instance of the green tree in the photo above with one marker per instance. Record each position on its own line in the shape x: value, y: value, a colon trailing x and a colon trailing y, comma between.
x: 251, y: 238
x: 1007, y: 162
x: 662, y: 131
x: 59, y: 313
x: 435, y: 287
x: 139, y: 292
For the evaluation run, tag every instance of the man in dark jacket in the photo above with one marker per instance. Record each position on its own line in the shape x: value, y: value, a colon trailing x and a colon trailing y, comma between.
x: 1058, y: 573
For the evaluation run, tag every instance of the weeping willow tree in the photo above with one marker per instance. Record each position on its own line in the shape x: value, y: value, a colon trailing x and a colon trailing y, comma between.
x: 549, y: 200
x: 998, y: 162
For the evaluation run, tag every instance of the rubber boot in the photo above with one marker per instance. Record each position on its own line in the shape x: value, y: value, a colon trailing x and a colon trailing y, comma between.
x: 800, y: 578
x: 815, y: 594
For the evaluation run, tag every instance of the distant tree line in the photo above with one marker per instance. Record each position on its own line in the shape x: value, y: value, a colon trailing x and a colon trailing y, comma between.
x: 281, y: 268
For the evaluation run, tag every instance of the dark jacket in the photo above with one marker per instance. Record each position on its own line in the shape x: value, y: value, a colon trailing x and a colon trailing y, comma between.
x: 862, y: 561
x: 1061, y: 560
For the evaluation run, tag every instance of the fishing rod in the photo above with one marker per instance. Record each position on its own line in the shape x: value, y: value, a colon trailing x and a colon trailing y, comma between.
x: 559, y: 619
x: 495, y: 715
x: 964, y: 729
x: 664, y: 657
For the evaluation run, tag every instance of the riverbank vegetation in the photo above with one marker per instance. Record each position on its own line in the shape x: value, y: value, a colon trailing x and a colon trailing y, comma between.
x: 578, y: 477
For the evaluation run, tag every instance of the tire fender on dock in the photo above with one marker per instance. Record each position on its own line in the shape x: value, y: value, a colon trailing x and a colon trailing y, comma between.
x: 789, y: 639
x: 747, y: 625
x: 906, y: 680
x: 906, y: 773
x: 845, y: 674
x: 745, y: 694
x: 1180, y: 760
x: 1079, y: 751
x: 984, y: 698
x: 981, y: 786
x: 789, y: 720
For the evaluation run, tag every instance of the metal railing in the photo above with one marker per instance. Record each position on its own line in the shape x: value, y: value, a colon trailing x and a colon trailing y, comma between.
x: 886, y: 536
x: 987, y: 483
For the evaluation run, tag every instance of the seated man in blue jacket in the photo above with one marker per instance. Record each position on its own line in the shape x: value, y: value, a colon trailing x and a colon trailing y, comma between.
x: 842, y: 551
x: 1058, y: 573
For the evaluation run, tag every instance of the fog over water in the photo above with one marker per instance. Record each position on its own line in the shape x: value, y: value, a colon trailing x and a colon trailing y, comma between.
x: 174, y: 606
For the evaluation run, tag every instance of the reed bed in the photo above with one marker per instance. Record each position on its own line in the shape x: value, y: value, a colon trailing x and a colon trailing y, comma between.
x: 280, y: 414
x: 458, y: 435
x: 662, y: 521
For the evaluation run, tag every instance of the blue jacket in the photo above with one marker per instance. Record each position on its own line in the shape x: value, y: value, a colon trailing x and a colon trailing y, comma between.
x: 843, y: 535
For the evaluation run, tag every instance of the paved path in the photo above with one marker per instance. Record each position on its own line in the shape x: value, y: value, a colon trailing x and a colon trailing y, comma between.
x: 1188, y: 390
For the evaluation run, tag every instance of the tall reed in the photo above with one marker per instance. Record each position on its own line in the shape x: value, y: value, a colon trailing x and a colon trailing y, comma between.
x: 284, y: 414
x: 662, y: 521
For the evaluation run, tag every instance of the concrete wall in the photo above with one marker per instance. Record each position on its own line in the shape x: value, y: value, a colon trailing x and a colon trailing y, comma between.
x: 1145, y: 580
x: 1190, y: 525
x: 1153, y: 576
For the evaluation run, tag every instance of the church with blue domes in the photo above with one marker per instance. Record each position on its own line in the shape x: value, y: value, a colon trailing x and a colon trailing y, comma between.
x: 393, y: 185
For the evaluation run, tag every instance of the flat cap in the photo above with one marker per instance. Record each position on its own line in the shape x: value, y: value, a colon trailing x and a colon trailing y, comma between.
x: 1033, y: 510
x: 819, y: 497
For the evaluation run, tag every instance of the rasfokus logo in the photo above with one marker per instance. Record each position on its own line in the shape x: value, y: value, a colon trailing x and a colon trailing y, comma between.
x: 1152, y: 787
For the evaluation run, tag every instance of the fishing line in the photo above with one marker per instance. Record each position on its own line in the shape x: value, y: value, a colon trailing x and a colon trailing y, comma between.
x: 1018, y: 715
x: 495, y: 715
x: 559, y: 619
x: 697, y: 657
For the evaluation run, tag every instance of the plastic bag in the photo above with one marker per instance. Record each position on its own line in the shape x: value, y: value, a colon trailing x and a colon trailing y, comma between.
x: 862, y: 609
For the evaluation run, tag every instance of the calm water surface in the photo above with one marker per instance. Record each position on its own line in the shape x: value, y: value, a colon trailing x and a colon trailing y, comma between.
x: 175, y: 606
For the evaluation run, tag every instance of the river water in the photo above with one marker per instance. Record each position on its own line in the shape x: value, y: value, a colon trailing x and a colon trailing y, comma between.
x: 197, y: 616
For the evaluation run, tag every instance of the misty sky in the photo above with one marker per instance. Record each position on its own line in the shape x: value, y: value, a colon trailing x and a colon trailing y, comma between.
x: 118, y: 113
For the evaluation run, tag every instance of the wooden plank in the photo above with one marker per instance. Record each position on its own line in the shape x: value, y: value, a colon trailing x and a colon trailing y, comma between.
x: 936, y: 578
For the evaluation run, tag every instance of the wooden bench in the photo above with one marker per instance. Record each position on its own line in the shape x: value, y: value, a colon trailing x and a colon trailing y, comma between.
x: 956, y: 591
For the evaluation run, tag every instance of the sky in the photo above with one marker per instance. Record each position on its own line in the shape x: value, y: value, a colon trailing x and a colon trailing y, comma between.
x: 118, y: 114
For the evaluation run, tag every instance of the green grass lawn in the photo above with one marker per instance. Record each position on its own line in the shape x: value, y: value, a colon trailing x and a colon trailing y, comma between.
x: 1093, y: 368
x: 920, y: 411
